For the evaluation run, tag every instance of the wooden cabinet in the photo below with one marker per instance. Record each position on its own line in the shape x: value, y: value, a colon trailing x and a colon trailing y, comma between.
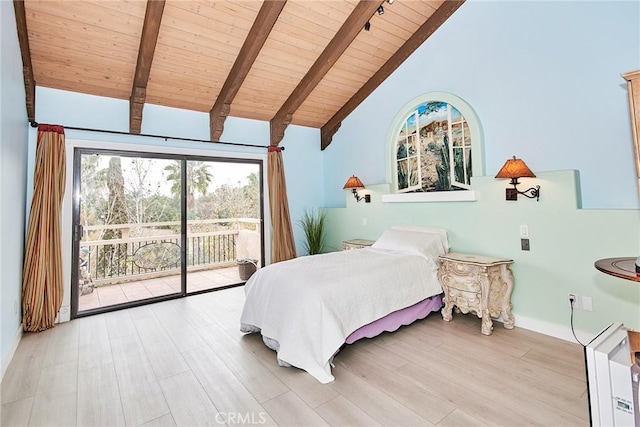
x: 633, y: 88
x: 348, y: 245
x: 479, y: 284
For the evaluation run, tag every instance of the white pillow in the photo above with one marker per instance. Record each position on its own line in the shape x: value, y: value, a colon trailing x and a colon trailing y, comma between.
x: 406, y: 241
x: 442, y: 232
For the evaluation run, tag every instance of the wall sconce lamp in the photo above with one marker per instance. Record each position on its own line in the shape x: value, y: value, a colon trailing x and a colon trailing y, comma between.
x: 354, y: 184
x: 514, y: 169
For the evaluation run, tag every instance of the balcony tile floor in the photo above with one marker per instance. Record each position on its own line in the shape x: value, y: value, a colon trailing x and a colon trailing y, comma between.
x: 104, y: 296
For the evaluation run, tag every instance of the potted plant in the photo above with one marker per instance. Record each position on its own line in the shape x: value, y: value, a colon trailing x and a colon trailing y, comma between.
x: 246, y: 267
x: 313, y: 225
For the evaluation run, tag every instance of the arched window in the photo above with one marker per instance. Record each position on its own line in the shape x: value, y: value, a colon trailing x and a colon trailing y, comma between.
x: 435, y: 145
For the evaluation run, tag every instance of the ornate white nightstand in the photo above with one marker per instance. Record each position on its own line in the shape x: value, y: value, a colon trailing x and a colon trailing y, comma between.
x: 478, y: 284
x: 348, y: 245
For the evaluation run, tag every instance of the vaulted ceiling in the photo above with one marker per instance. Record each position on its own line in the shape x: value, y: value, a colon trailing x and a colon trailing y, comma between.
x: 304, y: 62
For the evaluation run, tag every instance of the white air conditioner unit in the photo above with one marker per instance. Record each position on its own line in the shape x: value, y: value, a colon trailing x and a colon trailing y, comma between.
x: 612, y: 379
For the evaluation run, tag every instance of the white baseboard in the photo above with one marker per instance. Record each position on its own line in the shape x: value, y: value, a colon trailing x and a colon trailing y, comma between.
x: 551, y: 329
x: 6, y: 358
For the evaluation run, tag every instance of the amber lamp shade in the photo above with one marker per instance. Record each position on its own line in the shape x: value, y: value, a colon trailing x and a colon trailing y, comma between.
x: 514, y: 169
x: 354, y: 184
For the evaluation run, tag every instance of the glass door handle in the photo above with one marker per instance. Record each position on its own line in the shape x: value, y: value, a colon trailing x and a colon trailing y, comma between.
x: 78, y: 232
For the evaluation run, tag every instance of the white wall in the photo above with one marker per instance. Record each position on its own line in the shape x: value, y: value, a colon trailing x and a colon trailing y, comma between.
x: 13, y: 170
x: 544, y: 79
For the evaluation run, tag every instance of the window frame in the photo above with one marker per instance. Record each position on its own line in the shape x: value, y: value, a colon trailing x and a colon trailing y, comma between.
x: 477, y: 148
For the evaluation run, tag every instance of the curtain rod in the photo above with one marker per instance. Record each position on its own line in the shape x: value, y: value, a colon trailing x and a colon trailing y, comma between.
x: 34, y: 124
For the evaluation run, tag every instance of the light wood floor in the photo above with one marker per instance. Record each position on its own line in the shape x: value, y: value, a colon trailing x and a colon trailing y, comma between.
x: 184, y: 362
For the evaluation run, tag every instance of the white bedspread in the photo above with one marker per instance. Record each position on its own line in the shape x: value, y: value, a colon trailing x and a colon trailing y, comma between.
x: 309, y: 305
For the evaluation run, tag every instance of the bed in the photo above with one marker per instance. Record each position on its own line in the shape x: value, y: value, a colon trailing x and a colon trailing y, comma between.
x: 307, y: 308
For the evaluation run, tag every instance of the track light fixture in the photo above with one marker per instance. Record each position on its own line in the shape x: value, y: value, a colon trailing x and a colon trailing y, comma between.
x: 380, y: 10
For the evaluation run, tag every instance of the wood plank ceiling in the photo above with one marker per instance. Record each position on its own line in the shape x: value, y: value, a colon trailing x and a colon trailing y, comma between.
x: 305, y: 62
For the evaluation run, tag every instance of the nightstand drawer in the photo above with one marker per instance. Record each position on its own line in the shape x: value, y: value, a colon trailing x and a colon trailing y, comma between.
x: 461, y: 283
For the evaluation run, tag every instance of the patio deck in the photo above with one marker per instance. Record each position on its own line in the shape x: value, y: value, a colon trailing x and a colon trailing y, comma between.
x: 142, y: 289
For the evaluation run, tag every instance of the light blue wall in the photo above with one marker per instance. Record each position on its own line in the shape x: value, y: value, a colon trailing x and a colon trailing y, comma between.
x: 305, y: 186
x: 13, y: 171
x: 303, y: 164
x: 544, y: 79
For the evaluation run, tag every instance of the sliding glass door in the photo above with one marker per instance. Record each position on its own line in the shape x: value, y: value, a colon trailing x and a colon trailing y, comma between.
x: 149, y: 228
x: 224, y: 222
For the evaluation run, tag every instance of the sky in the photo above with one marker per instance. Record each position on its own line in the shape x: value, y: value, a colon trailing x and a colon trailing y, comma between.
x: 234, y: 174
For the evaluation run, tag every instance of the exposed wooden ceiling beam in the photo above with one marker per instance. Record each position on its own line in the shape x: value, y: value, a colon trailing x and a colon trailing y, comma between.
x: 429, y: 27
x: 148, y: 40
x: 257, y: 36
x: 336, y: 47
x: 27, y: 68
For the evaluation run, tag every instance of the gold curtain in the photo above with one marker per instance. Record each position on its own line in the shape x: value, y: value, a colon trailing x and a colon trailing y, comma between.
x: 42, y: 274
x: 282, y: 246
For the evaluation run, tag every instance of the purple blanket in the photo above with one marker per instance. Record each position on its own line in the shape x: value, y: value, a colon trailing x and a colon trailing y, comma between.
x: 393, y: 321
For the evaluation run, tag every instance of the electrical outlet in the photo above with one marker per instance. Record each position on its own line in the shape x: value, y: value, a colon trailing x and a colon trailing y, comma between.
x: 574, y: 301
x: 524, y: 231
x: 524, y: 244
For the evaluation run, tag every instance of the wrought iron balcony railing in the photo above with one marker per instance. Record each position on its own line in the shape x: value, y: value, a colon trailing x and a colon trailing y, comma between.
x: 141, y: 251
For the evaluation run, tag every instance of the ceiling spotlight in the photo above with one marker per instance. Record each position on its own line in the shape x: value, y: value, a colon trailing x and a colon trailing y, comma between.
x: 390, y: 1
x: 367, y: 26
x: 380, y: 10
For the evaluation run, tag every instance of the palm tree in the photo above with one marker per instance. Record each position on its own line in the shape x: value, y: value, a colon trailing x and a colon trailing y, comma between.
x: 198, y: 179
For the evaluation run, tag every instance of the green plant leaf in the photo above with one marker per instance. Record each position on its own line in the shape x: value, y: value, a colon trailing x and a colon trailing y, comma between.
x: 313, y: 225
